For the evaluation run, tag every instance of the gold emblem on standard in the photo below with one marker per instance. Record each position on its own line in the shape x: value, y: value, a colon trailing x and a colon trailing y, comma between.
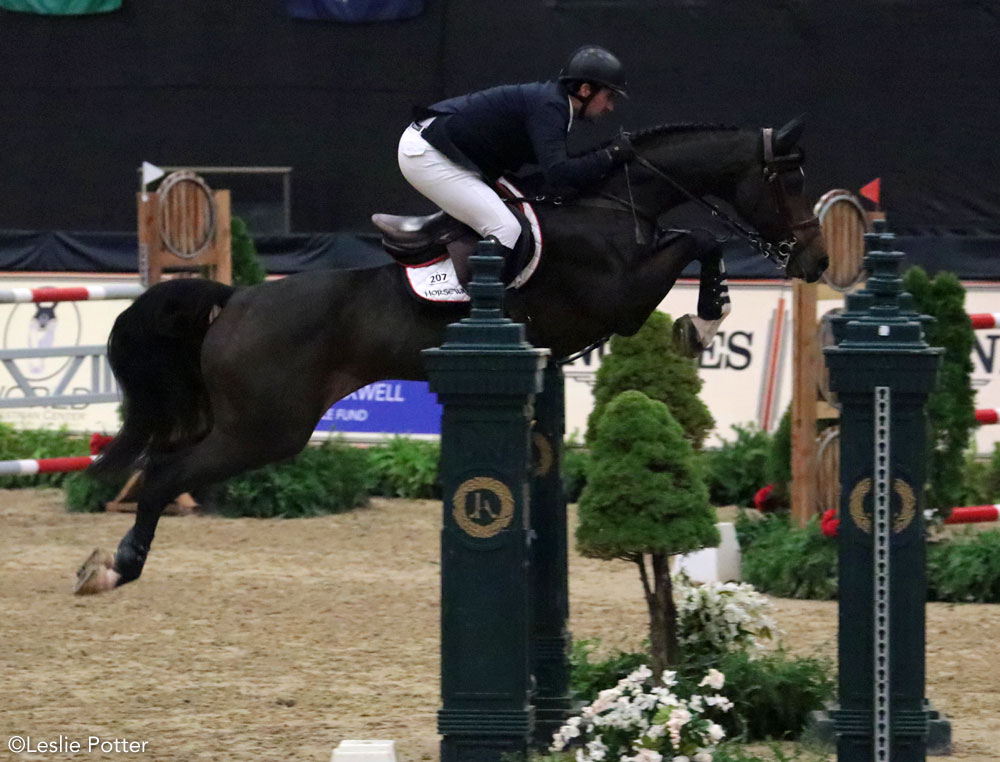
x: 483, y: 507
x: 546, y: 457
x: 862, y: 517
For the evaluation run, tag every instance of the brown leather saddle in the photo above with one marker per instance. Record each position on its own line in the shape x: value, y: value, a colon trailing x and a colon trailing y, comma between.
x: 416, y: 241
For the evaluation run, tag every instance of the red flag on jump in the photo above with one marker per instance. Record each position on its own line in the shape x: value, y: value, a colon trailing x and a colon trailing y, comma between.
x: 873, y: 190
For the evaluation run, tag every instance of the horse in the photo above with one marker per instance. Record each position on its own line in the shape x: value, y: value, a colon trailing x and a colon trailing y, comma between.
x: 216, y: 380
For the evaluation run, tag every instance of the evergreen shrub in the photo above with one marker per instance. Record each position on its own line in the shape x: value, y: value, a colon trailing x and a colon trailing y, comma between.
x: 247, y: 267
x: 950, y: 407
x: 648, y: 362
x: 779, y: 455
x: 575, y: 463
x: 645, y: 500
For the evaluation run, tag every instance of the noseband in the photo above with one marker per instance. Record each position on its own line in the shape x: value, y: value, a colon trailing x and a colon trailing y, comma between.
x: 774, y: 168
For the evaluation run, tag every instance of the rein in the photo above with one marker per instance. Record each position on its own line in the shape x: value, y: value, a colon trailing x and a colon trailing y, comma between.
x: 777, y: 253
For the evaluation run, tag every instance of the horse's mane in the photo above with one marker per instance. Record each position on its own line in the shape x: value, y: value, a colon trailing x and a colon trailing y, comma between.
x: 679, y: 129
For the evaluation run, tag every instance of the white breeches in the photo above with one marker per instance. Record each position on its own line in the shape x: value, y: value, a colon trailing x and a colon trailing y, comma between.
x: 458, y: 191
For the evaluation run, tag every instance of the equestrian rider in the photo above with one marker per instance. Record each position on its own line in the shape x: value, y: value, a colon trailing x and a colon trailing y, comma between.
x: 459, y: 147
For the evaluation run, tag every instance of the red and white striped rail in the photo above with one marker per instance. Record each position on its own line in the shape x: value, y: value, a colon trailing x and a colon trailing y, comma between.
x: 985, y: 320
x: 974, y: 514
x: 70, y: 293
x: 45, y: 465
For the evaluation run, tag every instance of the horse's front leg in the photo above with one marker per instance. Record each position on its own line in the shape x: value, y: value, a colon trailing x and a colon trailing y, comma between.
x: 694, y: 333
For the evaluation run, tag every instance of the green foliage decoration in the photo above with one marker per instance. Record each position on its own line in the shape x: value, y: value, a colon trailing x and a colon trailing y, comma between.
x: 772, y: 694
x: 966, y: 568
x: 649, y: 362
x: 734, y: 752
x: 84, y: 494
x: 405, y: 467
x: 24, y: 444
x: 589, y: 675
x: 981, y: 479
x: 740, y: 467
x: 782, y: 560
x: 951, y: 406
x: 247, y: 267
x: 331, y: 478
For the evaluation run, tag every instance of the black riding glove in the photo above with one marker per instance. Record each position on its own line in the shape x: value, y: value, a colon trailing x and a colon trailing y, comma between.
x: 620, y: 149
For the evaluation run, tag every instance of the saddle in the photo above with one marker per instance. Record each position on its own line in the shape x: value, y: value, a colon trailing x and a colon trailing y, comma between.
x: 440, y: 240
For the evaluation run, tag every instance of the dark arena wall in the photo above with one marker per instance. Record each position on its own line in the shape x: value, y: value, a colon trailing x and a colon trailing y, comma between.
x: 904, y: 90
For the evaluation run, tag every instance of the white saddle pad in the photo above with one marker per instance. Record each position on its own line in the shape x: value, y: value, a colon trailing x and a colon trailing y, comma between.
x: 437, y: 282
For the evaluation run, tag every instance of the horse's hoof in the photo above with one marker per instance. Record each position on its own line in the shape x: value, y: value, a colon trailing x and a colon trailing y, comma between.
x: 96, y: 575
x: 686, y: 339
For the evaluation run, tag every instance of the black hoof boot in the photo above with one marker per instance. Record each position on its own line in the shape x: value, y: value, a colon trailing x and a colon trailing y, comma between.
x: 130, y: 558
x: 686, y: 339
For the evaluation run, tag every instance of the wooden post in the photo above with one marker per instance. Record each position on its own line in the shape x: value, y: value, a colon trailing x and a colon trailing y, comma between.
x: 805, y: 364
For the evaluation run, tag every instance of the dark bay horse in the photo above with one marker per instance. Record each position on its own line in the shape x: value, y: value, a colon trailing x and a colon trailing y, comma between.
x: 218, y: 380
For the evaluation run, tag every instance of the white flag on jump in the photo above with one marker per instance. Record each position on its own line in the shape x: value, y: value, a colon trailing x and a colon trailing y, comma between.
x: 150, y: 172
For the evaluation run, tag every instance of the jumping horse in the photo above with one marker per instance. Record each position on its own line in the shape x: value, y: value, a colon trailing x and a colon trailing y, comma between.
x: 217, y: 380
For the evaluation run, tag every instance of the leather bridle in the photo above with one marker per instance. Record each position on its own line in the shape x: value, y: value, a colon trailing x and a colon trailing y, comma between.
x: 774, y: 168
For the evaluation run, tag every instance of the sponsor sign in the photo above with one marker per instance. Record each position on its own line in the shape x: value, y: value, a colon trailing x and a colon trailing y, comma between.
x: 386, y: 407
x: 746, y: 371
x: 985, y: 297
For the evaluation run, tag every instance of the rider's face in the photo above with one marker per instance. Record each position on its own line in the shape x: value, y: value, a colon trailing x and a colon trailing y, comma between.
x: 603, y: 103
x: 600, y: 105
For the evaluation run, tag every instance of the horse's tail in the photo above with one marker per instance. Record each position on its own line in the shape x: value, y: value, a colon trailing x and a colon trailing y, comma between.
x: 155, y: 352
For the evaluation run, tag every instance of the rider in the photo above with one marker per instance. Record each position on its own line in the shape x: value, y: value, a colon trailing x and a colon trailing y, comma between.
x: 458, y: 147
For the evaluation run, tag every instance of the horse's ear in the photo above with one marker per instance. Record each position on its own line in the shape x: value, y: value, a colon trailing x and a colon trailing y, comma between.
x: 788, y: 136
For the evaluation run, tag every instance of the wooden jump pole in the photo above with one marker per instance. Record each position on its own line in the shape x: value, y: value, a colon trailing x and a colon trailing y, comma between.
x: 805, y: 382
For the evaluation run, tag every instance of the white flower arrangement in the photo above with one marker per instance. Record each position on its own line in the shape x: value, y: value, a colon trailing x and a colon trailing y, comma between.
x: 716, y: 618
x: 637, y: 721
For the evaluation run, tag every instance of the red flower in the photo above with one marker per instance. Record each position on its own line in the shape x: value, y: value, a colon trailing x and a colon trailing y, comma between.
x: 761, y: 496
x: 830, y: 524
x: 98, y: 442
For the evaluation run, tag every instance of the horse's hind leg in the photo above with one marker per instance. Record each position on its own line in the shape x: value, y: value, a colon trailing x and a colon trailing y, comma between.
x: 217, y: 457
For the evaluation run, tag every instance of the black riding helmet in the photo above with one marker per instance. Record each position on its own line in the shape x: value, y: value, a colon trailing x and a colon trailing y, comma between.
x: 594, y: 64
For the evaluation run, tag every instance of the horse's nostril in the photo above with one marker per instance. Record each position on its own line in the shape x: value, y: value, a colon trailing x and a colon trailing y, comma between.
x: 824, y: 263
